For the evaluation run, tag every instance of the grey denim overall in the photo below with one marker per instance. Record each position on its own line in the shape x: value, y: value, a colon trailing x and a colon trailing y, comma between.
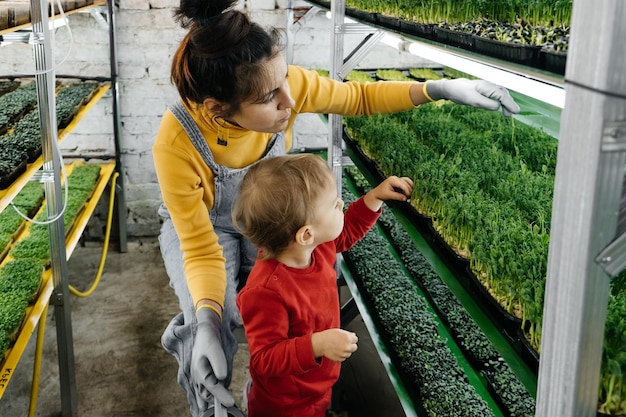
x: 239, y: 253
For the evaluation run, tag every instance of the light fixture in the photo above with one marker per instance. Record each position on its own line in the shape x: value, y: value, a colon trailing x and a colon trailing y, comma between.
x: 545, y: 88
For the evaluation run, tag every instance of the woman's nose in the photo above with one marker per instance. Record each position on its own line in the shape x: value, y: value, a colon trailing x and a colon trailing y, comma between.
x: 286, y: 101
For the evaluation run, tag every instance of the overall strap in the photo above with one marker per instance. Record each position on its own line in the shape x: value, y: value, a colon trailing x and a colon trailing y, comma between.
x: 182, y: 115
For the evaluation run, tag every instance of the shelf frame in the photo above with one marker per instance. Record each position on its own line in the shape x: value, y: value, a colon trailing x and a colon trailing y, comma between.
x: 34, y: 313
x: 45, y: 82
x: 55, y: 291
x: 588, y: 189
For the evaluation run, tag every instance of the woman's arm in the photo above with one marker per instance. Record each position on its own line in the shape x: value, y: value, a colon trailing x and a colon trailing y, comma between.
x: 184, y: 181
x: 314, y: 93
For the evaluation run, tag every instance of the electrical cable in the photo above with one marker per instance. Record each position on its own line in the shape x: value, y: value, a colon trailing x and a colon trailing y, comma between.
x: 71, y: 35
x: 41, y: 327
x: 56, y: 152
x: 107, y: 236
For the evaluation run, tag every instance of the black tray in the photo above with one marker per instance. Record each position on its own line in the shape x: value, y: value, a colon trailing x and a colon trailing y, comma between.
x: 9, y: 179
x: 529, y: 354
x: 422, y: 30
x: 388, y: 21
x: 362, y: 15
x: 454, y: 38
x: 32, y: 157
x: 512, y: 52
x: 553, y: 61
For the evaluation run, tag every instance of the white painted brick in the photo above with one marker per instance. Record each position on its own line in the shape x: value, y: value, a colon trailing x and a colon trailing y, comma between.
x: 140, y: 167
x: 142, y: 89
x: 268, y: 17
x: 133, y: 106
x: 261, y: 4
x: 143, y: 191
x: 132, y: 21
x: 129, y: 72
x: 159, y: 70
x: 133, y: 5
x: 139, y: 125
x: 81, y: 145
x: 164, y: 4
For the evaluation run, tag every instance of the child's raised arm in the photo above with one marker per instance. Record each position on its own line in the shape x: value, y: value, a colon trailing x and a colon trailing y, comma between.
x: 392, y: 188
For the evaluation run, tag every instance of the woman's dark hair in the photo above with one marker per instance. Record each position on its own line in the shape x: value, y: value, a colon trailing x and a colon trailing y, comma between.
x: 223, y: 54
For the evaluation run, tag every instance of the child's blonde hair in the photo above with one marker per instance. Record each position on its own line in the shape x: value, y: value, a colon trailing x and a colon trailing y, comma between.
x: 277, y: 197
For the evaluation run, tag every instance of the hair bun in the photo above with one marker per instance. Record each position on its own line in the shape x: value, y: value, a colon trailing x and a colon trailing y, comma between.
x: 201, y: 11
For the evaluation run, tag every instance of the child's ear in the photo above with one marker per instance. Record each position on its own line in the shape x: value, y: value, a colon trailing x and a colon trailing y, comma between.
x: 214, y: 106
x: 304, y: 235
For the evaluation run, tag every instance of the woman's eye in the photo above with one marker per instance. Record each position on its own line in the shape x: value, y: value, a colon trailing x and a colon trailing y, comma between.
x: 269, y: 97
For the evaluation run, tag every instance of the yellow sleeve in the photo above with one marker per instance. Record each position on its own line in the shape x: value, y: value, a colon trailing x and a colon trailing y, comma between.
x: 186, y: 184
x: 314, y: 93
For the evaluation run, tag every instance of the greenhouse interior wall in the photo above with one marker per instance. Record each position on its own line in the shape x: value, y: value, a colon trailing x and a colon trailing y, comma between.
x: 147, y: 37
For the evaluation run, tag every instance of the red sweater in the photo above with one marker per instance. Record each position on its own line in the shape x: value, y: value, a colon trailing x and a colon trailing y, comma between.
x: 281, y: 307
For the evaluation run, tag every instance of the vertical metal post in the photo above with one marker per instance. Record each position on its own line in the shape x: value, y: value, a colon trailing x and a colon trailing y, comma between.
x: 290, y: 36
x: 588, y: 184
x: 335, y: 134
x: 120, y: 196
x: 45, y: 82
x: 335, y: 129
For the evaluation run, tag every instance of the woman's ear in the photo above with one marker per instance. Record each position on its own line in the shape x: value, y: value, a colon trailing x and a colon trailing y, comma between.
x: 304, y: 235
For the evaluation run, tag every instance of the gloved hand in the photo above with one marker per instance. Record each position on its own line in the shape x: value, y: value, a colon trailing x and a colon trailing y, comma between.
x: 476, y: 93
x: 208, y: 362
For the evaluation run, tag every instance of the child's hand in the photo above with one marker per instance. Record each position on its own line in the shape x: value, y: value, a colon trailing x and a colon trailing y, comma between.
x: 335, y: 344
x: 393, y: 188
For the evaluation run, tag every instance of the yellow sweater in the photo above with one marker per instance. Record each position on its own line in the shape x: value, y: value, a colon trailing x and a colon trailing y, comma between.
x: 187, y: 182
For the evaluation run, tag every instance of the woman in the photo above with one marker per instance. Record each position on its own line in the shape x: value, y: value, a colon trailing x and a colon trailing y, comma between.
x: 239, y: 100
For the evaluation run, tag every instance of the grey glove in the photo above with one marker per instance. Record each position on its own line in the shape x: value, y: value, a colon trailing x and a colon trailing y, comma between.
x: 208, y: 362
x: 476, y: 93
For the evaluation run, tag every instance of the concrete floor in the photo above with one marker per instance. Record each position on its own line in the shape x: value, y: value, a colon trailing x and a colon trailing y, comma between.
x: 121, y: 368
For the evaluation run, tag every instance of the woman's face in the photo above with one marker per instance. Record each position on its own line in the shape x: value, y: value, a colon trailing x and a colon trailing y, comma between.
x: 271, y: 113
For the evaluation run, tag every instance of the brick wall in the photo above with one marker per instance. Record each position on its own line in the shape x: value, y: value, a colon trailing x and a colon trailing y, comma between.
x: 147, y: 37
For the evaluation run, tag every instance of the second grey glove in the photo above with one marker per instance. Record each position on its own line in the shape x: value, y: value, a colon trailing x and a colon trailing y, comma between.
x: 208, y: 361
x: 476, y: 93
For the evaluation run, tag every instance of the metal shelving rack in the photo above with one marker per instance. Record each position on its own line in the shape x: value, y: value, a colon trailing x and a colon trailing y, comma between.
x: 56, y: 289
x: 587, y: 246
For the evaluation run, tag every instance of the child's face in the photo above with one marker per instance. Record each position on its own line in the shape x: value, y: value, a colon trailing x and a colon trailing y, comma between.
x: 328, y: 222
